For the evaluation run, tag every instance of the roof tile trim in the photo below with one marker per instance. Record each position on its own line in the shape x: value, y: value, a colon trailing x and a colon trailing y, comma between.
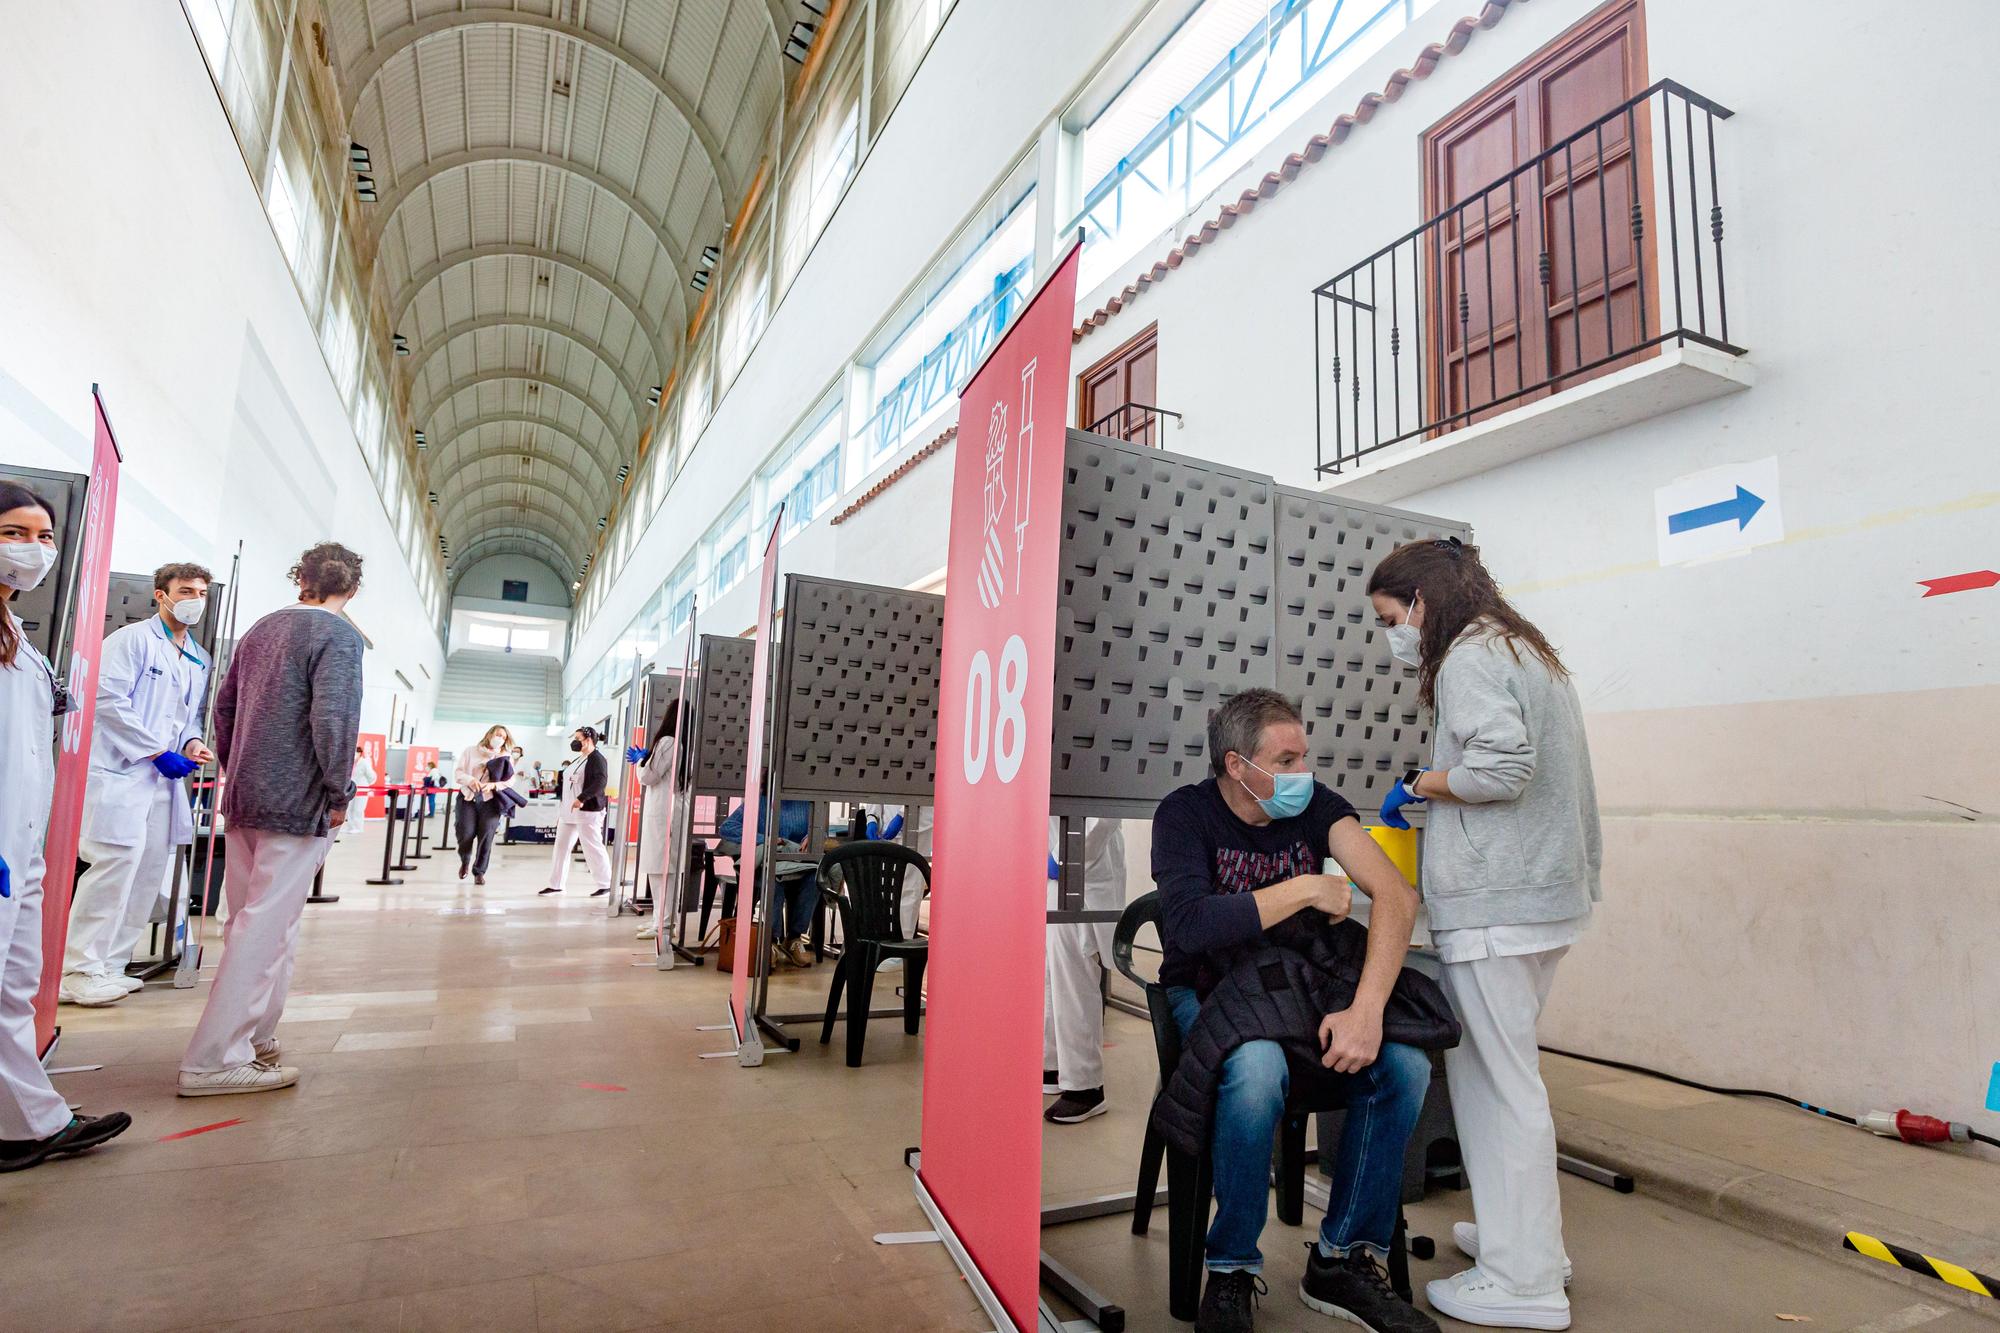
x: 900, y: 471
x: 1288, y: 170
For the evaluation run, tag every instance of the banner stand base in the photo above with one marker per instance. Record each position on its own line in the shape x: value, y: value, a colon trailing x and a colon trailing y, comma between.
x: 982, y: 1291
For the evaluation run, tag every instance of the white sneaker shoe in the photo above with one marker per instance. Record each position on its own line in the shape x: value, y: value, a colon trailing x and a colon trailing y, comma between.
x: 267, y: 1051
x: 253, y: 1077
x: 131, y: 983
x: 1474, y: 1298
x: 91, y: 992
x: 645, y: 933
x: 1465, y: 1235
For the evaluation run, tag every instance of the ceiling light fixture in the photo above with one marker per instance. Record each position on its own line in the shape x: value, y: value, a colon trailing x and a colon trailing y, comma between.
x: 402, y: 345
x: 700, y: 280
x: 711, y: 255
x: 422, y: 443
x: 653, y: 395
x: 797, y: 46
x: 624, y: 471
x: 358, y: 155
x: 603, y: 521
x: 364, y: 189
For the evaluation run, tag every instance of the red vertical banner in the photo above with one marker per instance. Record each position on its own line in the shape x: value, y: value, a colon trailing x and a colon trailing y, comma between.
x: 375, y: 746
x: 93, y: 581
x: 982, y: 1140
x: 420, y: 757
x: 753, y: 781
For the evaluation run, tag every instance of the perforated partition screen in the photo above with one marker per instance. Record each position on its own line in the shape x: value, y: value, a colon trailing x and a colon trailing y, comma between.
x: 1163, y: 611
x: 858, y: 691
x: 1363, y: 723
x: 1184, y: 582
x: 722, y: 704
x: 663, y: 689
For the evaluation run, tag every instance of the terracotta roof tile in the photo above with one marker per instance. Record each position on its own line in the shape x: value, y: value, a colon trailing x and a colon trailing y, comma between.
x: 901, y: 470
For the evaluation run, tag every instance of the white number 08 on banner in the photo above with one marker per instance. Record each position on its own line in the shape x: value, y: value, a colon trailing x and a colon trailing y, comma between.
x: 999, y: 728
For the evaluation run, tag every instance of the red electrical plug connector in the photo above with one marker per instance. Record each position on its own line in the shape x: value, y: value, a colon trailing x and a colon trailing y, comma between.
x: 1913, y: 1128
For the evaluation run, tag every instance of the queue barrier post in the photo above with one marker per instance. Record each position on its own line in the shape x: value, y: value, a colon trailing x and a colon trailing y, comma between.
x: 423, y: 808
x: 403, y: 860
x: 388, y: 839
x: 447, y: 829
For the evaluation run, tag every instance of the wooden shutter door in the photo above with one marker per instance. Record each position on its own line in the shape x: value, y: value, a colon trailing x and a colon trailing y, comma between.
x: 1128, y: 375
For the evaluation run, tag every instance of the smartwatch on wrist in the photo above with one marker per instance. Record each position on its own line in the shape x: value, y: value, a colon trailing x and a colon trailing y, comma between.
x: 1410, y: 783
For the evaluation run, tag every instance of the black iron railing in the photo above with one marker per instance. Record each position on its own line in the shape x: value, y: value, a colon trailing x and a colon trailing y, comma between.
x: 1580, y: 261
x: 1135, y: 423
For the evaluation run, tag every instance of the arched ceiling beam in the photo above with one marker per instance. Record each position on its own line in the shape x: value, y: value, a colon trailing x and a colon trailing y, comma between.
x: 410, y: 35
x: 407, y: 184
x: 571, y: 518
x: 599, y: 491
x: 407, y: 295
x: 564, y: 565
x: 464, y: 512
x: 607, y: 468
x: 465, y: 382
x: 534, y: 322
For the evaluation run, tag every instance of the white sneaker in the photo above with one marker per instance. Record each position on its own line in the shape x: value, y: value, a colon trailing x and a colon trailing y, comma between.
x: 267, y: 1051
x: 131, y: 983
x: 1465, y: 1235
x: 253, y: 1077
x: 645, y: 933
x: 91, y: 992
x: 1474, y: 1298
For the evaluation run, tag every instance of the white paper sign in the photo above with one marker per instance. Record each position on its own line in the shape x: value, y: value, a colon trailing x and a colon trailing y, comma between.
x: 1719, y: 511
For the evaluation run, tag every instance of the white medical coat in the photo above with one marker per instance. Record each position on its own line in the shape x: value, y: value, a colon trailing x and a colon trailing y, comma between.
x: 149, y: 697
x: 1103, y: 864
x: 656, y: 776
x: 27, y: 759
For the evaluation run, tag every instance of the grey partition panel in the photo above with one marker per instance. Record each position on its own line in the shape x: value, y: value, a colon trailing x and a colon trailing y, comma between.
x: 858, y: 692
x: 723, y: 706
x: 662, y: 691
x: 1164, y: 609
x: 1363, y: 722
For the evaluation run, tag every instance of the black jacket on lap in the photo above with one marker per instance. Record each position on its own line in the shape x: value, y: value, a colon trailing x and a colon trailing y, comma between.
x: 1279, y: 990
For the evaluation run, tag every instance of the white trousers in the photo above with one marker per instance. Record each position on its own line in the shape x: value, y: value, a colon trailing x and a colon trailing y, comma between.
x: 589, y: 831
x: 1505, y: 1131
x: 1073, y: 1003
x: 266, y: 878
x: 114, y: 899
x: 30, y: 1108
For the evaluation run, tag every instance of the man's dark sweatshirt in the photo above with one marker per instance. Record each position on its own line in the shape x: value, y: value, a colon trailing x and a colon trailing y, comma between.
x: 1207, y: 863
x: 286, y: 718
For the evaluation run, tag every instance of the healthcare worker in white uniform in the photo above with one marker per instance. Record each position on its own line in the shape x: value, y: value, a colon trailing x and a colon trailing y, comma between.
x: 656, y: 773
x: 1512, y: 860
x: 363, y: 774
x: 1073, y: 981
x: 580, y: 817
x: 151, y: 681
x: 35, y: 1121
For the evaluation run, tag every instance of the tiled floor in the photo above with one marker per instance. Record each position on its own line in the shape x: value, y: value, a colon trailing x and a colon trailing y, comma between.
x: 503, y: 1125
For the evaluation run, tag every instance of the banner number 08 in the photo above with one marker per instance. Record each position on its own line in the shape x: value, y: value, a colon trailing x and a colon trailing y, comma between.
x: 1001, y: 726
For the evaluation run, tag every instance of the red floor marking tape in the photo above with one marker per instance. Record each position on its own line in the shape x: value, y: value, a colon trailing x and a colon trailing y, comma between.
x: 1982, y: 578
x: 203, y: 1129
x: 601, y: 1087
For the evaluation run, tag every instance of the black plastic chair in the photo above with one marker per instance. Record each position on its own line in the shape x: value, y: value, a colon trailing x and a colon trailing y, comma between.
x: 1190, y: 1181
x: 864, y: 882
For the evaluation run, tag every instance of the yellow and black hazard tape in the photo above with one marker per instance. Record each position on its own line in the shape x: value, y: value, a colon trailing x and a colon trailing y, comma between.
x: 1943, y: 1270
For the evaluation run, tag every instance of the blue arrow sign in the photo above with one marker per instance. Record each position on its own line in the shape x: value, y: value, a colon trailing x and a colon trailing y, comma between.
x: 1742, y: 509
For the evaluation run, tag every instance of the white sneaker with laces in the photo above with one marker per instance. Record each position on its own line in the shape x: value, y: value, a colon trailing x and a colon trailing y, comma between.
x: 267, y: 1051
x: 1465, y: 1235
x: 253, y: 1077
x: 91, y: 992
x: 1472, y: 1297
x: 131, y: 983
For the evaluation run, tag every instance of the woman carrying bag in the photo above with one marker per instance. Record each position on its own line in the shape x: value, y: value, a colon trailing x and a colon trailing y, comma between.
x: 1512, y: 856
x: 482, y: 770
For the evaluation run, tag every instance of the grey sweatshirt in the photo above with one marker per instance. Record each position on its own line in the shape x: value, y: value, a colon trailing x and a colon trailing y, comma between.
x: 286, y: 719
x: 1521, y: 844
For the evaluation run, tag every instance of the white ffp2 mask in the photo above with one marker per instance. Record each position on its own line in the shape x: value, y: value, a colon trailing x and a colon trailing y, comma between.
x: 191, y: 611
x: 1404, y: 644
x: 23, y: 565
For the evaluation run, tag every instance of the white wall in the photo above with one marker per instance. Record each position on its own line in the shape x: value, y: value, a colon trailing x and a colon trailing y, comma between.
x: 1790, y: 900
x: 134, y: 253
x: 483, y: 580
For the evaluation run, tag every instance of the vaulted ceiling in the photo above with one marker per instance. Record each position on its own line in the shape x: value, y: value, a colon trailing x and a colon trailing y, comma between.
x: 548, y: 175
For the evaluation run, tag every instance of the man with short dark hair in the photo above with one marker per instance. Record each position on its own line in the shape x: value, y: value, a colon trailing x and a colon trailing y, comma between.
x: 286, y: 719
x: 1234, y: 857
x: 151, y: 684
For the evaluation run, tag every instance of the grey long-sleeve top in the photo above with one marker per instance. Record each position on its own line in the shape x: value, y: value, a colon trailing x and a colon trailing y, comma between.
x: 286, y: 718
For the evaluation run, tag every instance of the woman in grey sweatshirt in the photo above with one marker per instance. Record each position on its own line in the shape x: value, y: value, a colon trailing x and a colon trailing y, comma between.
x: 1511, y: 862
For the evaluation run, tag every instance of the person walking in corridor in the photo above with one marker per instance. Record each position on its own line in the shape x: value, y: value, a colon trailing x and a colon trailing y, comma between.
x: 482, y: 770
x: 580, y: 817
x: 286, y: 719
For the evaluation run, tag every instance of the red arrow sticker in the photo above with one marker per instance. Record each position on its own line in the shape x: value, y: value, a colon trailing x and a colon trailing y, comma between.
x: 601, y: 1087
x: 1981, y: 578
x: 202, y: 1129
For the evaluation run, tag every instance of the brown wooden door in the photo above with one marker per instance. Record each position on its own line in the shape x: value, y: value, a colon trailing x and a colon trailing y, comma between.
x: 1516, y: 302
x: 1128, y: 376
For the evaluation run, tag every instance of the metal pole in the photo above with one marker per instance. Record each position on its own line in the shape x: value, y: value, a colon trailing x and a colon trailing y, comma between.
x: 190, y: 959
x: 670, y: 942
x: 388, y: 837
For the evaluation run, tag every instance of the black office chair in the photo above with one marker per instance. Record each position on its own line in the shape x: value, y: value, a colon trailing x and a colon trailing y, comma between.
x: 864, y: 882
x: 1190, y: 1182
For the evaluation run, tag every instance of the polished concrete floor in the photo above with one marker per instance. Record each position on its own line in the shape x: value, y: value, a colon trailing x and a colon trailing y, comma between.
x: 503, y: 1125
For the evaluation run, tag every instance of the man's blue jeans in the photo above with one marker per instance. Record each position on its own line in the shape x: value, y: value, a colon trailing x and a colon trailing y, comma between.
x: 796, y: 900
x: 1383, y: 1101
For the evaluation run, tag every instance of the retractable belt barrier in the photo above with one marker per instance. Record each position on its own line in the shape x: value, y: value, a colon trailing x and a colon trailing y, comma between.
x: 391, y: 792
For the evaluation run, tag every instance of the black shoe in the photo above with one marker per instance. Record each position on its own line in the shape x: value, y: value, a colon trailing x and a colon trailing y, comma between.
x: 461, y: 872
x: 479, y: 879
x: 599, y: 893
x: 1051, y: 1082
x: 547, y: 891
x: 1230, y: 1303
x: 1357, y: 1290
x: 1075, y: 1107
x: 81, y: 1134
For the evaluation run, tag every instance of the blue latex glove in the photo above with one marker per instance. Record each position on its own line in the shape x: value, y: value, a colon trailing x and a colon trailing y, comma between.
x: 635, y: 755
x: 895, y: 826
x: 173, y: 765
x: 6, y: 879
x: 1055, y: 871
x: 1392, y: 805
x: 870, y: 833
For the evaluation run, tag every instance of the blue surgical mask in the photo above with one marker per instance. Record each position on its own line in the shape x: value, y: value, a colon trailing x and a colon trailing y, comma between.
x: 1291, y: 793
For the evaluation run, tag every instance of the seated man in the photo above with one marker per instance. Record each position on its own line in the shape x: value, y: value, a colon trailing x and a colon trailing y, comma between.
x: 797, y: 897
x: 1234, y: 856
